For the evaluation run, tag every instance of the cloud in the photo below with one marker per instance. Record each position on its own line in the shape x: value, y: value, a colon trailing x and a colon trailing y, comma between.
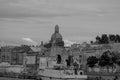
x: 29, y: 40
x: 68, y: 42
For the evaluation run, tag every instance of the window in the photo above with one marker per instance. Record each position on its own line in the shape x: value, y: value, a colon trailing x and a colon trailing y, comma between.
x: 3, y: 58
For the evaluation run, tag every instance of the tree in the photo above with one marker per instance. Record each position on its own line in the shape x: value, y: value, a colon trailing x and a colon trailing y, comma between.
x: 107, y: 59
x: 92, y: 61
x: 91, y: 42
x: 98, y: 39
x: 116, y: 58
x: 104, y: 60
x: 112, y: 37
x: 117, y: 38
x: 104, y: 39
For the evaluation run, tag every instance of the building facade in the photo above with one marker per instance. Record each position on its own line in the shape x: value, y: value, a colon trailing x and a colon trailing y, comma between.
x: 6, y: 53
x: 58, y: 54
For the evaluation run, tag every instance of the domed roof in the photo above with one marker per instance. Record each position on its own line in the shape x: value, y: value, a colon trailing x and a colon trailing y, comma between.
x: 56, y: 35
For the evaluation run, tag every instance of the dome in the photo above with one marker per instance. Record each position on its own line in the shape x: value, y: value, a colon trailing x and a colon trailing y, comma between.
x: 56, y: 35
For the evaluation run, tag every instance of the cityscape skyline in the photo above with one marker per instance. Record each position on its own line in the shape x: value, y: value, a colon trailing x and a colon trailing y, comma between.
x: 79, y: 20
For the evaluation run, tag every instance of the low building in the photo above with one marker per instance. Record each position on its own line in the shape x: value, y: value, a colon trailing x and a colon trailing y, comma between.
x: 57, y: 54
x: 32, y: 60
x: 6, y: 53
x: 18, y: 54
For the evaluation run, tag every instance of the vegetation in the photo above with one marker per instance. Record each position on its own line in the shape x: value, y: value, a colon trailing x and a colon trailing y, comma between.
x: 105, y: 39
x: 107, y: 59
x: 92, y: 61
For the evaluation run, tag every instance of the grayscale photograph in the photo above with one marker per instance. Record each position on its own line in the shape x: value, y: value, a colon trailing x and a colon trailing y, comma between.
x: 59, y: 39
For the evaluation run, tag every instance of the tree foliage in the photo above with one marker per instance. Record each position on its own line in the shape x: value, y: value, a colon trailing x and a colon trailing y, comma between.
x: 105, y: 60
x: 105, y: 39
x: 92, y: 61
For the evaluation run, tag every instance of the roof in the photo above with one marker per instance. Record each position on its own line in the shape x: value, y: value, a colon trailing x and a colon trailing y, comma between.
x: 56, y: 36
x: 35, y: 49
x: 46, y: 53
x: 23, y: 48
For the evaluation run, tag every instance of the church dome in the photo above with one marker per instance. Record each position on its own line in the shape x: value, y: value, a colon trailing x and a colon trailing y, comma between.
x: 56, y: 35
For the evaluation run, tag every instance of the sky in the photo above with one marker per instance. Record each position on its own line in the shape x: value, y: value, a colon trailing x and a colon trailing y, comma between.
x: 33, y: 21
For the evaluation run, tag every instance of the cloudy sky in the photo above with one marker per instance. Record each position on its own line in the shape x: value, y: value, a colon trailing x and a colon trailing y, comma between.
x: 79, y: 20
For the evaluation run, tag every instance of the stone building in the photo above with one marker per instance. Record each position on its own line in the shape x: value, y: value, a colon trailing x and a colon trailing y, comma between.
x: 18, y: 54
x: 57, y: 44
x: 57, y: 54
x: 57, y: 50
x: 56, y: 36
x: 6, y: 53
